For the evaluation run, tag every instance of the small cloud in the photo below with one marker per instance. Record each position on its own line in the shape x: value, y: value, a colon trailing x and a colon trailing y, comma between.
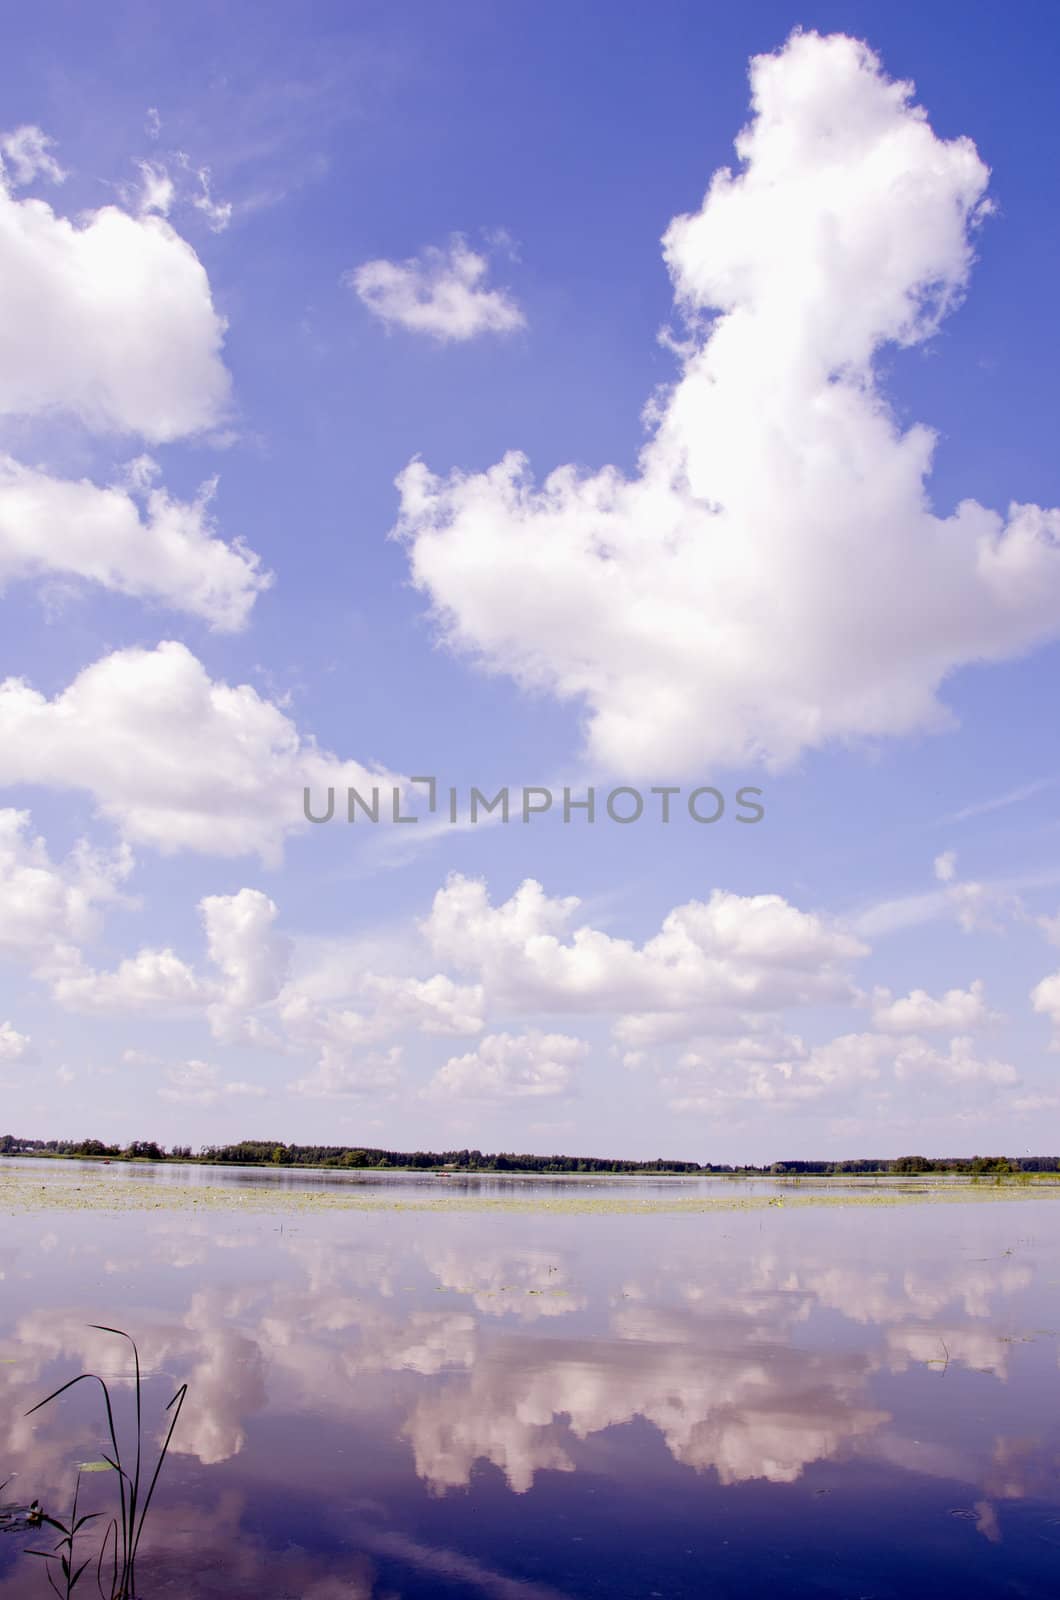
x: 440, y: 293
x: 14, y: 1046
x: 25, y: 154
x: 199, y: 1083
x: 218, y: 213
x: 157, y: 191
x: 152, y: 123
x: 946, y: 866
x: 139, y: 475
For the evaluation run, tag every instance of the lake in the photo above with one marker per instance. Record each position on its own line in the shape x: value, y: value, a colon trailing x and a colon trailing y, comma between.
x: 532, y: 1390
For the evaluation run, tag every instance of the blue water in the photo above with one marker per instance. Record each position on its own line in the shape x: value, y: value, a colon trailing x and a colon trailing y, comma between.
x: 805, y: 1402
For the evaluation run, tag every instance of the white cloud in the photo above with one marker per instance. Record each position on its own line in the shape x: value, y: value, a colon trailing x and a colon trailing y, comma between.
x: 769, y: 579
x: 341, y: 1073
x: 155, y: 981
x: 506, y: 1066
x: 245, y: 996
x: 441, y: 293
x: 976, y: 907
x: 729, y: 1394
x: 945, y: 866
x: 776, y: 1073
x: 1045, y: 998
x: 242, y: 942
x: 157, y: 191
x: 434, y: 1005
x: 176, y: 759
x: 47, y: 909
x: 249, y: 958
x: 218, y: 213
x: 981, y: 907
x: 957, y: 1065
x: 109, y: 318
x: 169, y: 554
x: 25, y: 154
x: 197, y: 1083
x: 728, y: 1074
x: 919, y: 1012
x: 14, y: 1046
x: 730, y: 952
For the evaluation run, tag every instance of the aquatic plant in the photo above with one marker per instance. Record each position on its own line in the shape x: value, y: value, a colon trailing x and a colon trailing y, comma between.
x: 63, y: 1554
x: 124, y: 1531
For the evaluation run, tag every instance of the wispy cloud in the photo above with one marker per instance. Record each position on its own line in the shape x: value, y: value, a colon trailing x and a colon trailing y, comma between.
x: 1011, y: 797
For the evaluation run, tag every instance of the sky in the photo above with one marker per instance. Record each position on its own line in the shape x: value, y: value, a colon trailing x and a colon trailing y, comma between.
x: 544, y: 401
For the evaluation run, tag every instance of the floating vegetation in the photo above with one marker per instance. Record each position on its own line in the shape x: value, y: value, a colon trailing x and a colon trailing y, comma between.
x: 22, y: 1191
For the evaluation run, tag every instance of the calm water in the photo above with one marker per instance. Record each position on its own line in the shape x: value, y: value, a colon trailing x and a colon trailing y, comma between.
x: 842, y: 1403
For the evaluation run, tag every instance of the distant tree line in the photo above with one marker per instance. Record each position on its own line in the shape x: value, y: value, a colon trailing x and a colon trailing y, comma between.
x: 274, y: 1153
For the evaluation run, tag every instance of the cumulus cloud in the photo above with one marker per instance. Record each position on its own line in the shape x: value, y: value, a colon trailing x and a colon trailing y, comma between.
x: 919, y: 1012
x: 109, y: 318
x: 153, y: 981
x: 441, y: 293
x: 435, y: 1005
x: 725, y: 1075
x: 248, y: 957
x: 48, y: 908
x: 176, y: 759
x: 244, y: 993
x: 168, y: 553
x: 242, y: 941
x: 750, y: 953
x: 14, y: 1046
x: 771, y: 577
x: 508, y: 1066
x: 1045, y: 998
x: 957, y: 1065
x: 339, y: 1074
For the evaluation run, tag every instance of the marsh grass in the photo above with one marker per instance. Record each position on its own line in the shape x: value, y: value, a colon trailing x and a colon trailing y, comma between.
x: 124, y: 1531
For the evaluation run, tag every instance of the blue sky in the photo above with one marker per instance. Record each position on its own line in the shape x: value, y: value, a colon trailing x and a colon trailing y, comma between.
x: 264, y: 165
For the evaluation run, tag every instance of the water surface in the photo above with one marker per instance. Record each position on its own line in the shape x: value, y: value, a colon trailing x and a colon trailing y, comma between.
x: 393, y: 1403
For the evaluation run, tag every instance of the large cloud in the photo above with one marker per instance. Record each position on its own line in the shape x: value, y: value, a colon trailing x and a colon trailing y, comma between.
x: 731, y: 952
x: 109, y: 318
x: 176, y: 759
x: 168, y: 553
x: 726, y: 1076
x: 772, y: 577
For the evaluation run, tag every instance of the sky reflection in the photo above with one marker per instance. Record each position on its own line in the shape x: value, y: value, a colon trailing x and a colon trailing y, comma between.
x: 396, y: 1404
